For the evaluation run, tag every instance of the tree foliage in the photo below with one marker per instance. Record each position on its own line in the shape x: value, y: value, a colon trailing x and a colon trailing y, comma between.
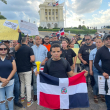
x: 2, y: 17
x: 4, y: 1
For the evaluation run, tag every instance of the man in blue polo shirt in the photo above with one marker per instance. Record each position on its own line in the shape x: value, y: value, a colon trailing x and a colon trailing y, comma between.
x: 40, y: 53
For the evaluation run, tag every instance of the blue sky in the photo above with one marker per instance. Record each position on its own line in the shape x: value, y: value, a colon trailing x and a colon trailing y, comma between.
x: 92, y: 12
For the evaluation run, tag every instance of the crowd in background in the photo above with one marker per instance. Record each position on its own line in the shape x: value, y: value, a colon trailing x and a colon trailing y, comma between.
x: 18, y: 57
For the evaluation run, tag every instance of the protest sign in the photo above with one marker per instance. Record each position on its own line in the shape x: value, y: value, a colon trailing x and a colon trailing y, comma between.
x: 101, y: 84
x: 28, y: 28
x: 76, y: 50
x: 9, y: 30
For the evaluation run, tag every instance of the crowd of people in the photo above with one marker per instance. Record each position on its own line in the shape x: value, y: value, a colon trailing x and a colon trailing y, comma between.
x: 58, y: 58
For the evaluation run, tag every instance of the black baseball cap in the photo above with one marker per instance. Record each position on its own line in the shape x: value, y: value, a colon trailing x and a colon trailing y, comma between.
x: 105, y: 36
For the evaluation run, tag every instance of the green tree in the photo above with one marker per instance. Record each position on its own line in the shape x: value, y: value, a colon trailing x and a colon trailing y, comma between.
x: 4, y: 1
x: 2, y: 17
x: 79, y: 27
x: 83, y: 27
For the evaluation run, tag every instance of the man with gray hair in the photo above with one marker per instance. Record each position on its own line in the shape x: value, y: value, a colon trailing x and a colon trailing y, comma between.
x: 40, y: 53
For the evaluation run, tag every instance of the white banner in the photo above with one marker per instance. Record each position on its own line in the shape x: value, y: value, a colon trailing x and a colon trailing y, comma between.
x: 28, y: 28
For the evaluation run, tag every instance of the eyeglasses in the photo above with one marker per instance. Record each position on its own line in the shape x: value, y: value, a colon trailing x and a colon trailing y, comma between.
x: 1, y: 49
x: 87, y: 39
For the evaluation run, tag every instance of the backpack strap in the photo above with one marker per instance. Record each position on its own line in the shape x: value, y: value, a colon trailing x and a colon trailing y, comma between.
x: 64, y: 62
x: 49, y: 62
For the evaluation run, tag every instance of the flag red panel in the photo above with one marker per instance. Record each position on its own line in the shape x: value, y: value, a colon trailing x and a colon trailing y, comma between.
x: 49, y: 101
x: 77, y: 79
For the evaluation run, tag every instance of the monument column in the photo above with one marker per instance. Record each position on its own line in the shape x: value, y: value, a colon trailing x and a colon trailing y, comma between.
x: 55, y: 14
x: 44, y: 14
x: 51, y: 15
x: 58, y: 14
x: 47, y: 14
x: 61, y: 14
x: 40, y: 15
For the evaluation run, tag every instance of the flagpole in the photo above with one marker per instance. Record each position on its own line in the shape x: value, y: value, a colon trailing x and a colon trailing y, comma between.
x: 65, y: 15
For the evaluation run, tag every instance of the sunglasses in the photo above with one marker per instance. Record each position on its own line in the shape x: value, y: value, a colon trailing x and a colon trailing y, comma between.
x: 1, y: 49
x: 87, y: 39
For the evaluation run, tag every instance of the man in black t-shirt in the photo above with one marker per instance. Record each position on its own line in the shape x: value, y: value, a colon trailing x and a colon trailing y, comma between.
x: 57, y: 66
x: 84, y: 52
x: 24, y: 58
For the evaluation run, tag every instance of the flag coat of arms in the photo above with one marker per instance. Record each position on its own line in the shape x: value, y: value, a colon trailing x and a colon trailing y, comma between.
x: 62, y: 93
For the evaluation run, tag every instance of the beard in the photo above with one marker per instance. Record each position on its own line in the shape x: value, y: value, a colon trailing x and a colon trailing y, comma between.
x: 88, y: 43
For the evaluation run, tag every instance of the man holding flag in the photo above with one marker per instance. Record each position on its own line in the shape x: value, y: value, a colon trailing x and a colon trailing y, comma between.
x: 59, y: 68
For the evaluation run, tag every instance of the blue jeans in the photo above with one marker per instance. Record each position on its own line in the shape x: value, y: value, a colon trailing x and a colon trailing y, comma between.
x: 34, y: 84
x: 95, y: 87
x: 8, y: 92
x: 107, y: 98
x: 16, y: 88
x: 86, y: 67
x: 35, y: 81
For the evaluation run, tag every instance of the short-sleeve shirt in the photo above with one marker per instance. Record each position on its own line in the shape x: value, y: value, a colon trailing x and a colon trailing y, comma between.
x: 57, y: 69
x: 48, y: 47
x: 23, y: 58
x: 69, y: 54
x: 85, y: 51
x: 6, y: 67
x: 92, y: 56
x: 39, y: 52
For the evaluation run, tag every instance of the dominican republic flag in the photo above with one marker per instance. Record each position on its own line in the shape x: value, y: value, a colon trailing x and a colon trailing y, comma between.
x: 55, y: 4
x: 62, y: 32
x: 49, y: 4
x: 62, y: 93
x: 58, y: 34
x: 41, y: 68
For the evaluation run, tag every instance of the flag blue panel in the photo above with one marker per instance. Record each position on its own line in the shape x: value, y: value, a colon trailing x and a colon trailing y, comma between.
x: 62, y: 29
x: 79, y: 100
x: 44, y: 78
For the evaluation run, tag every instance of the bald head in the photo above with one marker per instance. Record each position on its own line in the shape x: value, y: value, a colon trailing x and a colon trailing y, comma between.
x: 15, y: 43
x: 38, y: 40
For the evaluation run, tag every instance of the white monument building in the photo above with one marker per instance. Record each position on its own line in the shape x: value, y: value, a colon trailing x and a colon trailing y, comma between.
x: 51, y: 16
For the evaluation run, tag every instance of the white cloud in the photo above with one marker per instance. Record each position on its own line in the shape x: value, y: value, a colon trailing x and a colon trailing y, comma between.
x: 108, y: 3
x: 101, y: 12
x: 101, y: 20
x: 86, y: 6
x: 29, y: 2
x: 25, y: 9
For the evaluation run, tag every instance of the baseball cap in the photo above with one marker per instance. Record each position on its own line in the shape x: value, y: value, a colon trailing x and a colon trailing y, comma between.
x: 105, y: 36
